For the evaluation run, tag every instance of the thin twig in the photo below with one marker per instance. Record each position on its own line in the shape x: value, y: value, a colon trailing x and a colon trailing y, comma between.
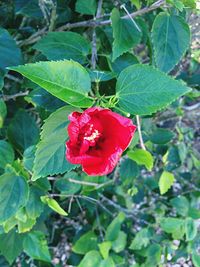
x: 190, y: 108
x: 83, y: 182
x: 94, y: 37
x: 13, y: 78
x: 70, y: 204
x: 96, y: 185
x: 95, y: 23
x: 140, y: 133
x: 13, y: 97
x: 91, y: 23
x: 90, y: 199
x: 99, y: 225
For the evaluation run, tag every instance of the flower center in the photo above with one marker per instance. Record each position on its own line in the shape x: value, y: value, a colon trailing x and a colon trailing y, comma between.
x: 92, y: 135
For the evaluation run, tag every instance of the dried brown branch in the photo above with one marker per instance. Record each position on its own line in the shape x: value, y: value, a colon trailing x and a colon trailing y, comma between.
x: 95, y: 23
x: 94, y: 37
x: 92, y: 23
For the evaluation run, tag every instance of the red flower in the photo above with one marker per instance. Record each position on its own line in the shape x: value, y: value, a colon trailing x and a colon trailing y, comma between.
x: 98, y: 137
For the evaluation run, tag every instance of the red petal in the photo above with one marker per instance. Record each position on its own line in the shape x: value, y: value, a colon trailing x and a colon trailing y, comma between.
x: 105, y: 167
x: 118, y: 128
x: 75, y: 158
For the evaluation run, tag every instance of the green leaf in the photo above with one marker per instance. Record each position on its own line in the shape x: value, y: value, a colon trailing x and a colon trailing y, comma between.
x: 128, y: 169
x: 3, y: 112
x: 196, y: 259
x: 141, y: 240
x: 171, y: 39
x: 142, y: 157
x: 154, y: 252
x: 50, y: 154
x: 105, y: 248
x: 137, y: 3
x: 190, y: 229
x: 161, y: 136
x: 140, y: 90
x: 119, y: 244
x: 7, y: 155
x: 53, y: 204
x: 23, y: 130
x: 10, y: 54
x: 91, y: 259
x: 35, y: 245
x: 11, y: 245
x: 189, y: 3
x: 64, y: 45
x: 34, y: 206
x: 29, y: 8
x: 9, y: 224
x: 123, y: 62
x: 173, y: 226
x: 101, y: 76
x: 113, y: 229
x: 107, y: 263
x: 42, y: 99
x: 126, y: 35
x: 165, y: 182
x: 85, y: 243
x: 67, y: 80
x: 86, y: 7
x: 13, y: 195
x: 3, y: 262
x: 28, y: 158
x: 26, y: 226
x: 181, y: 204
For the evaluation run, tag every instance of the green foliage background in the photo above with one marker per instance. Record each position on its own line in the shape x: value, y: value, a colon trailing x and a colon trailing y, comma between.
x: 139, y: 58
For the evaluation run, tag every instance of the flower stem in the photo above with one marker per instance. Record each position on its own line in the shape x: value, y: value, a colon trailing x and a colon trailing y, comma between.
x: 140, y: 132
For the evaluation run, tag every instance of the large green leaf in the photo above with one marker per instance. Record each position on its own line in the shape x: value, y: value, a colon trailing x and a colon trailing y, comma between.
x: 65, y: 79
x: 140, y: 90
x: 23, y: 130
x: 35, y: 245
x: 13, y: 195
x: 171, y: 38
x: 123, y: 62
x: 6, y: 154
x: 64, y: 45
x: 125, y: 34
x: 50, y: 154
x: 10, y: 54
x: 11, y: 245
